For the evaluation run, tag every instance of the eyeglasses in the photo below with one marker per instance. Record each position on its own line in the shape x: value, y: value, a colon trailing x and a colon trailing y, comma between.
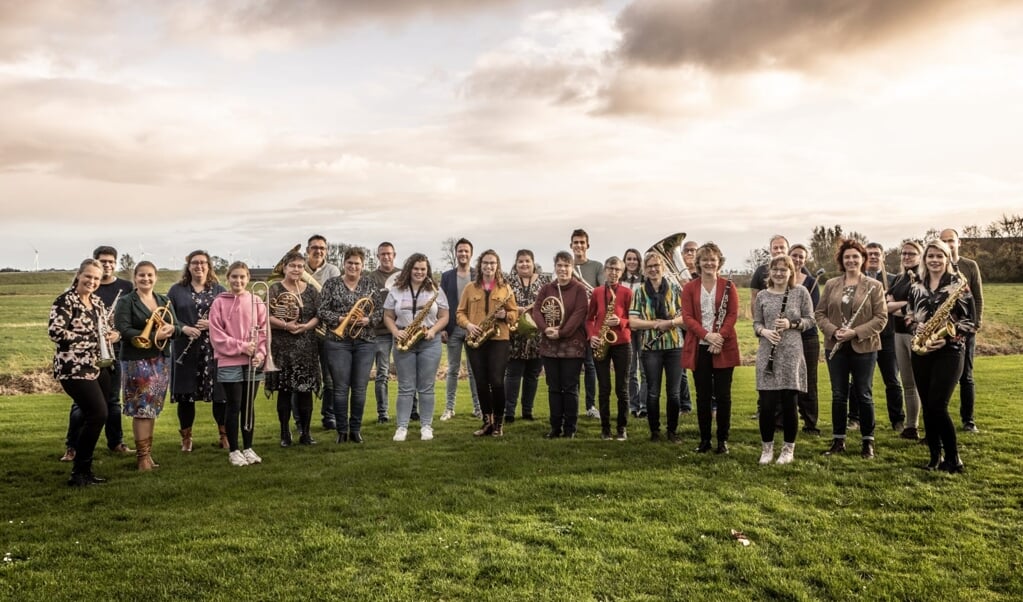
x: 689, y: 250
x: 488, y: 263
x: 317, y: 248
x: 653, y: 266
x: 779, y: 270
x: 610, y: 269
x: 911, y: 254
x: 198, y: 262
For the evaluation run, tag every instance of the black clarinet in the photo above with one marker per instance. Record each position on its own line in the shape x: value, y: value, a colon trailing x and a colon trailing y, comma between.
x: 781, y: 313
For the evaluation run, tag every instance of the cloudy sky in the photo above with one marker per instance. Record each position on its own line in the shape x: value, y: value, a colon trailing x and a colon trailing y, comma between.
x: 243, y: 126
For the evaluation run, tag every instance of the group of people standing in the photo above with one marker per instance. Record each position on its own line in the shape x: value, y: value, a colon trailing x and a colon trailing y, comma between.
x: 631, y: 327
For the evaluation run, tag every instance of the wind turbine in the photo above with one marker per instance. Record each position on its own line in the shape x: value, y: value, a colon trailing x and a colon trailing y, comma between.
x: 35, y: 263
x: 142, y: 252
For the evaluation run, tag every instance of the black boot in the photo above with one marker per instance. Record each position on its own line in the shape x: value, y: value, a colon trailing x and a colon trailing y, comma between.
x: 837, y: 447
x: 285, y: 434
x: 488, y: 426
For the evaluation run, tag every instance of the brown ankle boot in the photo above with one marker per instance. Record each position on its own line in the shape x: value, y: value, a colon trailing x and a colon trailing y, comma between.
x: 186, y: 439
x: 143, y: 459
x: 222, y: 444
x: 498, y: 430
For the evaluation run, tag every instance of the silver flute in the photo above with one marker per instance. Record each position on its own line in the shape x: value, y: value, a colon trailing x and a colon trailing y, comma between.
x: 848, y: 323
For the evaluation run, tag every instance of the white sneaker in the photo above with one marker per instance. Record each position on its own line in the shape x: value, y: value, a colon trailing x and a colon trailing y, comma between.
x: 236, y: 458
x: 767, y: 452
x: 447, y: 415
x: 593, y: 412
x: 400, y: 433
x: 477, y: 413
x: 251, y: 456
x: 788, y: 451
x: 426, y: 433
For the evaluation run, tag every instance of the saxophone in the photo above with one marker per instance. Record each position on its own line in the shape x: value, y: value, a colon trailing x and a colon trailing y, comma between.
x: 938, y: 325
x: 415, y: 332
x: 607, y: 337
x: 489, y: 326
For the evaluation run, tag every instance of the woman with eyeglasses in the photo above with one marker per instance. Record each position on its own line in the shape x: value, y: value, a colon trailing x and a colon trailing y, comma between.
x: 524, y: 363
x: 808, y: 404
x: 657, y: 313
x: 194, y: 371
x: 898, y: 312
x: 486, y: 310
x: 633, y: 278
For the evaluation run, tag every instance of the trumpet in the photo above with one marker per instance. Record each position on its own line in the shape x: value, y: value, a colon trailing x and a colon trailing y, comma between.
x: 349, y: 326
x: 160, y: 317
x: 106, y: 350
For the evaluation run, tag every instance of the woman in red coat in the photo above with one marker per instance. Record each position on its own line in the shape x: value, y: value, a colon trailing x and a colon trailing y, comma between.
x: 710, y: 307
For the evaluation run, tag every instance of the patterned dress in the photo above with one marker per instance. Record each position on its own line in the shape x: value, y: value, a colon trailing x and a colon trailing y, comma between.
x: 296, y: 355
x: 525, y: 347
x: 194, y: 373
x: 789, y: 366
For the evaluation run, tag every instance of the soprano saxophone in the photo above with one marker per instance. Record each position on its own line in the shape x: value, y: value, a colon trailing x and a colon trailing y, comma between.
x: 415, y: 331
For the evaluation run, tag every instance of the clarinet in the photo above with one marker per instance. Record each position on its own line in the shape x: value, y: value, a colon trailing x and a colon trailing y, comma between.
x: 781, y: 313
x: 184, y: 352
x: 848, y: 323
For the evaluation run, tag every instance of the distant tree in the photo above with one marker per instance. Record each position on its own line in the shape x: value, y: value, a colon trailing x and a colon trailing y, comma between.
x: 932, y: 233
x: 127, y: 264
x: 757, y: 258
x: 219, y: 264
x: 447, y: 249
x: 336, y: 253
x: 1009, y: 226
x: 972, y: 231
x: 824, y: 242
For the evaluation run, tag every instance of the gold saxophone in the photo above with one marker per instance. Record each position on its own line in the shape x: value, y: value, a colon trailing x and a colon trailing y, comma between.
x: 939, y: 325
x: 607, y: 336
x: 349, y: 326
x: 489, y: 327
x: 415, y: 332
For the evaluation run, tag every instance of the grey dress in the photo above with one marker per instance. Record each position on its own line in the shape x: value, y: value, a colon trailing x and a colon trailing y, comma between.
x: 789, y: 365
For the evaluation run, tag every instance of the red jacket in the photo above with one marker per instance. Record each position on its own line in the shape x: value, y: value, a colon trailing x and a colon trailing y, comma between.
x: 695, y: 332
x: 598, y: 308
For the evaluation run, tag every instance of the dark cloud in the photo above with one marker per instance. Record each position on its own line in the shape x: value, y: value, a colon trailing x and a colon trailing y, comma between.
x: 739, y: 35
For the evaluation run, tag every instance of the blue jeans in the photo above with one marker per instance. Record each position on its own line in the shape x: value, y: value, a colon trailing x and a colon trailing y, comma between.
x: 524, y: 373
x: 456, y: 343
x: 382, y: 359
x: 417, y: 373
x: 327, y: 398
x: 842, y: 366
x: 668, y: 362
x: 350, y: 362
x: 637, y: 386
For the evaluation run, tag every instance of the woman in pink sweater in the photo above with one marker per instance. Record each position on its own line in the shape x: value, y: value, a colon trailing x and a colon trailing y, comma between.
x: 238, y: 330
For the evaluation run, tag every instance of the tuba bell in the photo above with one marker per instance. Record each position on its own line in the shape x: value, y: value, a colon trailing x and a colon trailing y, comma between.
x: 277, y: 274
x: 669, y: 249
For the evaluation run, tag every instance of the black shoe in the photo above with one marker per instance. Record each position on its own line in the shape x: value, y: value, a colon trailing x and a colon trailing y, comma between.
x: 909, y: 433
x: 703, y: 447
x: 355, y: 437
x: 674, y: 438
x: 342, y: 438
x: 655, y: 436
x: 837, y: 447
x: 383, y: 419
x: 100, y: 480
x: 528, y: 417
x: 622, y: 435
x: 329, y: 425
x: 552, y: 435
x: 950, y: 468
x: 285, y: 436
x: 722, y: 448
x: 641, y: 414
x: 82, y: 480
x: 605, y: 434
x: 569, y: 435
x: 868, y: 450
x: 414, y: 416
x: 970, y: 427
x: 306, y: 438
x: 933, y: 465
x: 811, y: 431
x: 509, y: 419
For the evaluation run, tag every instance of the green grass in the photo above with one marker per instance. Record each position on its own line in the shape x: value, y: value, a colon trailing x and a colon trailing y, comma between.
x: 521, y: 517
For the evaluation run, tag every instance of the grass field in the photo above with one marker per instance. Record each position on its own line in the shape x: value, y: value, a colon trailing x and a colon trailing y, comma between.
x: 460, y: 518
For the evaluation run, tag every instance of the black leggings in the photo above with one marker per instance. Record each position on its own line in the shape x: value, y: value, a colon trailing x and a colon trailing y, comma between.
x: 786, y: 400
x: 488, y: 363
x: 936, y: 377
x: 91, y: 398
x: 238, y: 407
x: 303, y: 404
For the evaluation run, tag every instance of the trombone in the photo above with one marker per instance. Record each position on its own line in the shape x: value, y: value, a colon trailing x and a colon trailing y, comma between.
x: 252, y: 382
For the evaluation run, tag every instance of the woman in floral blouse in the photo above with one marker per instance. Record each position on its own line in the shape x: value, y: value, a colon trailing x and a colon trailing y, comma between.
x: 75, y: 328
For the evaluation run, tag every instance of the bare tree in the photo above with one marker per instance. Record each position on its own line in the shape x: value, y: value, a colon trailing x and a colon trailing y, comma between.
x: 757, y: 258
x: 447, y: 249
